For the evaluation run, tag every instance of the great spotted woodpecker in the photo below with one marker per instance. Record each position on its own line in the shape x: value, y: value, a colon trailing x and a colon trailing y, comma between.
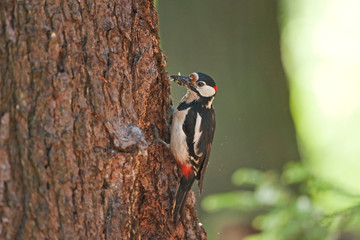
x: 192, y: 133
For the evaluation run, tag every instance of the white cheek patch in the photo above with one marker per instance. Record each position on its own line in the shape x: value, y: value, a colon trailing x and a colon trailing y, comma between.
x: 210, y: 103
x: 206, y: 91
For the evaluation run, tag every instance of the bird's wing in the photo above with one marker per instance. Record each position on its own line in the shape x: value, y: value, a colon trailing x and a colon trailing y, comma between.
x: 200, y: 129
x: 207, y: 144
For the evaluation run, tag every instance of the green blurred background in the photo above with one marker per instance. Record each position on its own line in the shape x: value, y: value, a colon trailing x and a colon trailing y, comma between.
x: 286, y: 155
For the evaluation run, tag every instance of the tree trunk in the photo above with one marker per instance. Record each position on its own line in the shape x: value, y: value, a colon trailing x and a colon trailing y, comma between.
x: 82, y: 84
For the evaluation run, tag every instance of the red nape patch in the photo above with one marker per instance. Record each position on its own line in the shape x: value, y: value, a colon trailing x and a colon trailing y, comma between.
x: 215, y: 88
x: 186, y: 170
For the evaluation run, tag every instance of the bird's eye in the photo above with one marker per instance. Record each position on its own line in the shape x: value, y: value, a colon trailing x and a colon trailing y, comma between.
x: 200, y: 84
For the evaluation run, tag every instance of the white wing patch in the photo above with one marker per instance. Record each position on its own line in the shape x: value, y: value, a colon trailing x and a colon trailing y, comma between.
x: 206, y: 91
x: 197, y: 134
x: 178, y: 143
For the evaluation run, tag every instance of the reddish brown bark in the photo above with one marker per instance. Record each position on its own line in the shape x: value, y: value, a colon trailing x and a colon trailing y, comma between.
x: 81, y: 85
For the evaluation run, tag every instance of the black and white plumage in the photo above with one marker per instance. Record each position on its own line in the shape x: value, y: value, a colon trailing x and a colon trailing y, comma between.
x: 192, y: 133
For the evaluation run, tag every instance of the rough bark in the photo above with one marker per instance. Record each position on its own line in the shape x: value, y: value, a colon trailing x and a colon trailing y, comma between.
x: 82, y: 84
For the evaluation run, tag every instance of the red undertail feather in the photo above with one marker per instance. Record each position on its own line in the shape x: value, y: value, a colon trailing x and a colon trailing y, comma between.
x: 186, y: 170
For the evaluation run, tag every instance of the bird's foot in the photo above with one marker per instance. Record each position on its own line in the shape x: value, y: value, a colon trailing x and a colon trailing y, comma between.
x: 158, y: 139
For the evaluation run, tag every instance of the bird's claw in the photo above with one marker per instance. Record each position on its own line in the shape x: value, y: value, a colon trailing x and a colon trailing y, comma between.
x: 158, y: 139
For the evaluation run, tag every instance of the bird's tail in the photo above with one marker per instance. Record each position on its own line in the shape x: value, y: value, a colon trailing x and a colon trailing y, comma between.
x: 181, y: 196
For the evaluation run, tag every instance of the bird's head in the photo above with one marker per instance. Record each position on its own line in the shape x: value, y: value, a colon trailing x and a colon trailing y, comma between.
x: 199, y: 83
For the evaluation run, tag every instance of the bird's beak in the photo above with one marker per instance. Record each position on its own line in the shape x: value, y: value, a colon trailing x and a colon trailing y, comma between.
x: 182, y: 80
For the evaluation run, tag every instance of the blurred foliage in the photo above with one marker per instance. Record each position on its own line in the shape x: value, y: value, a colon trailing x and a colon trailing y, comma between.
x: 285, y: 204
x: 321, y: 55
